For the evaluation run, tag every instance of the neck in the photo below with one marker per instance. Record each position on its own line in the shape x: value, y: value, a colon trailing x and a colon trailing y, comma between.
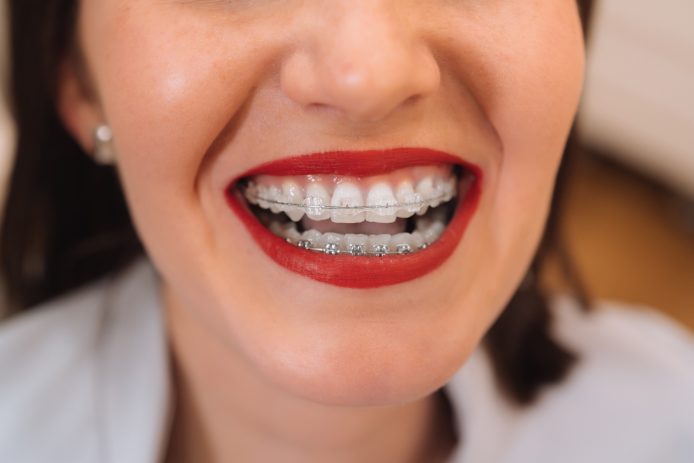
x: 226, y: 411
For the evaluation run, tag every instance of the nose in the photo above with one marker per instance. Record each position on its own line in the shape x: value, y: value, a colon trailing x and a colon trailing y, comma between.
x: 362, y: 60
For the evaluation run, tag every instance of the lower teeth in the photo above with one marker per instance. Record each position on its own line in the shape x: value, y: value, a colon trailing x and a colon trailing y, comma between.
x: 428, y: 230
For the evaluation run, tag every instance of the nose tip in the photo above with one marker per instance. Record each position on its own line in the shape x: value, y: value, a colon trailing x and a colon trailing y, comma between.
x: 364, y: 80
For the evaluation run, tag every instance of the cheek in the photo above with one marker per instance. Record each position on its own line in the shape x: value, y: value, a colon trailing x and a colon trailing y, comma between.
x: 524, y: 68
x: 528, y: 82
x: 169, y: 84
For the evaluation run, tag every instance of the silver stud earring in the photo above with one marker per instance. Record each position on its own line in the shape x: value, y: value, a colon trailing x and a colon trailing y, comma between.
x: 103, y: 145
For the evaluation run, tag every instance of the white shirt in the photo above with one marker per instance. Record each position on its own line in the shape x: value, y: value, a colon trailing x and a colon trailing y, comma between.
x: 85, y: 379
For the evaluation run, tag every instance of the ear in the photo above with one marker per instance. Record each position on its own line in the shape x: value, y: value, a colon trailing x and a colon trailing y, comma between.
x: 76, y: 106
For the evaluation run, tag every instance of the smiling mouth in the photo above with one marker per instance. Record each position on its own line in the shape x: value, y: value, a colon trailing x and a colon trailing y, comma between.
x: 398, y: 213
x: 358, y: 219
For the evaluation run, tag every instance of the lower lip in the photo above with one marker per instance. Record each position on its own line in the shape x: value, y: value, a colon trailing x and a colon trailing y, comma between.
x: 363, y: 272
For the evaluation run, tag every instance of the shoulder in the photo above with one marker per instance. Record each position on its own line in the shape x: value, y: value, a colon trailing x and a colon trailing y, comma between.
x: 619, y: 343
x: 46, y: 358
x: 628, y: 398
x: 61, y: 329
x: 52, y: 359
x: 42, y: 329
x: 630, y: 394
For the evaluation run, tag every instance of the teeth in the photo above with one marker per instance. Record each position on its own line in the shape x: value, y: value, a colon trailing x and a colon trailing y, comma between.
x: 292, y: 194
x: 425, y: 187
x: 402, y: 243
x: 331, y: 243
x: 323, y: 197
x: 439, y: 192
x: 428, y: 231
x: 274, y: 192
x: 416, y: 240
x: 317, y: 199
x: 309, y: 239
x: 261, y: 192
x: 383, y: 202
x: 406, y: 195
x: 432, y: 226
x: 449, y: 189
x: 355, y: 244
x: 294, y: 213
x: 379, y: 245
x: 345, y: 203
x: 251, y: 193
x: 432, y: 233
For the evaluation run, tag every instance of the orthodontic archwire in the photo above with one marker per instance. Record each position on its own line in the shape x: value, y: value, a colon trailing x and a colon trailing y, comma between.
x: 379, y: 250
x: 418, y: 204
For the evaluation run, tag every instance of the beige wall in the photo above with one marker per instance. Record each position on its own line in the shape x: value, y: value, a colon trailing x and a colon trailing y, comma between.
x: 639, y: 98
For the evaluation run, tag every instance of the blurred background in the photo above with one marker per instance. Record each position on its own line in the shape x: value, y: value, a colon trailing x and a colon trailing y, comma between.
x: 629, y: 218
x: 629, y: 215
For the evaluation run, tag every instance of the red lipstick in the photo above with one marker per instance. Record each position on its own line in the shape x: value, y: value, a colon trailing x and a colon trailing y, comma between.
x: 359, y: 271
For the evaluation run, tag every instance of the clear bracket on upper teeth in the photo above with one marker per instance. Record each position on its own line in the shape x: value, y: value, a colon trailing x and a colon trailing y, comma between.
x: 313, y: 206
x: 347, y: 203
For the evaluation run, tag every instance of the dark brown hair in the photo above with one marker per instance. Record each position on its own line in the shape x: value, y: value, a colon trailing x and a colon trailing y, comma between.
x: 66, y: 221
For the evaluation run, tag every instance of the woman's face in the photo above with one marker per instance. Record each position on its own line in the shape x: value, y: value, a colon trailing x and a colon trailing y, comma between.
x: 199, y: 93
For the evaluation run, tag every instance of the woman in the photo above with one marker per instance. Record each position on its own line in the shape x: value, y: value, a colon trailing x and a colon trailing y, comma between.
x: 338, y: 200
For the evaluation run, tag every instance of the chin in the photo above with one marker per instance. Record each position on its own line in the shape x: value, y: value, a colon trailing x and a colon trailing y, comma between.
x: 358, y: 373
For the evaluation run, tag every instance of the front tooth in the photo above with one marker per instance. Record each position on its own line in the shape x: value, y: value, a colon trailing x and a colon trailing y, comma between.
x: 330, y: 243
x: 317, y: 198
x: 347, y: 195
x: 379, y: 244
x: 381, y: 197
x: 356, y: 245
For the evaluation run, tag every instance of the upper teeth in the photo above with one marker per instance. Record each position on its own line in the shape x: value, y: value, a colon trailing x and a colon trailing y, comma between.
x: 347, y: 202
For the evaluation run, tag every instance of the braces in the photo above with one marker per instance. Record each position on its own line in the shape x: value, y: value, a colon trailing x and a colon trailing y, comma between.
x: 380, y: 250
x: 313, y: 207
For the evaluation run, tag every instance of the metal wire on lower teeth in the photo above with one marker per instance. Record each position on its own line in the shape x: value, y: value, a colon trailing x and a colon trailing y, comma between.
x: 378, y: 250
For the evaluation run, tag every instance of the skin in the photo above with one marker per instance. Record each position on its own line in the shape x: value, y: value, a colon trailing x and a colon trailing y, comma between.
x: 269, y: 363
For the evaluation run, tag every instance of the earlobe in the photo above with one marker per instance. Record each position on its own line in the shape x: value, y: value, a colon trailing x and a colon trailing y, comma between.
x: 77, y: 109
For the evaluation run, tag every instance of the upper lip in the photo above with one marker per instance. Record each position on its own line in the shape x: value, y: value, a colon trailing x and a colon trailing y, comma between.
x: 357, y: 163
